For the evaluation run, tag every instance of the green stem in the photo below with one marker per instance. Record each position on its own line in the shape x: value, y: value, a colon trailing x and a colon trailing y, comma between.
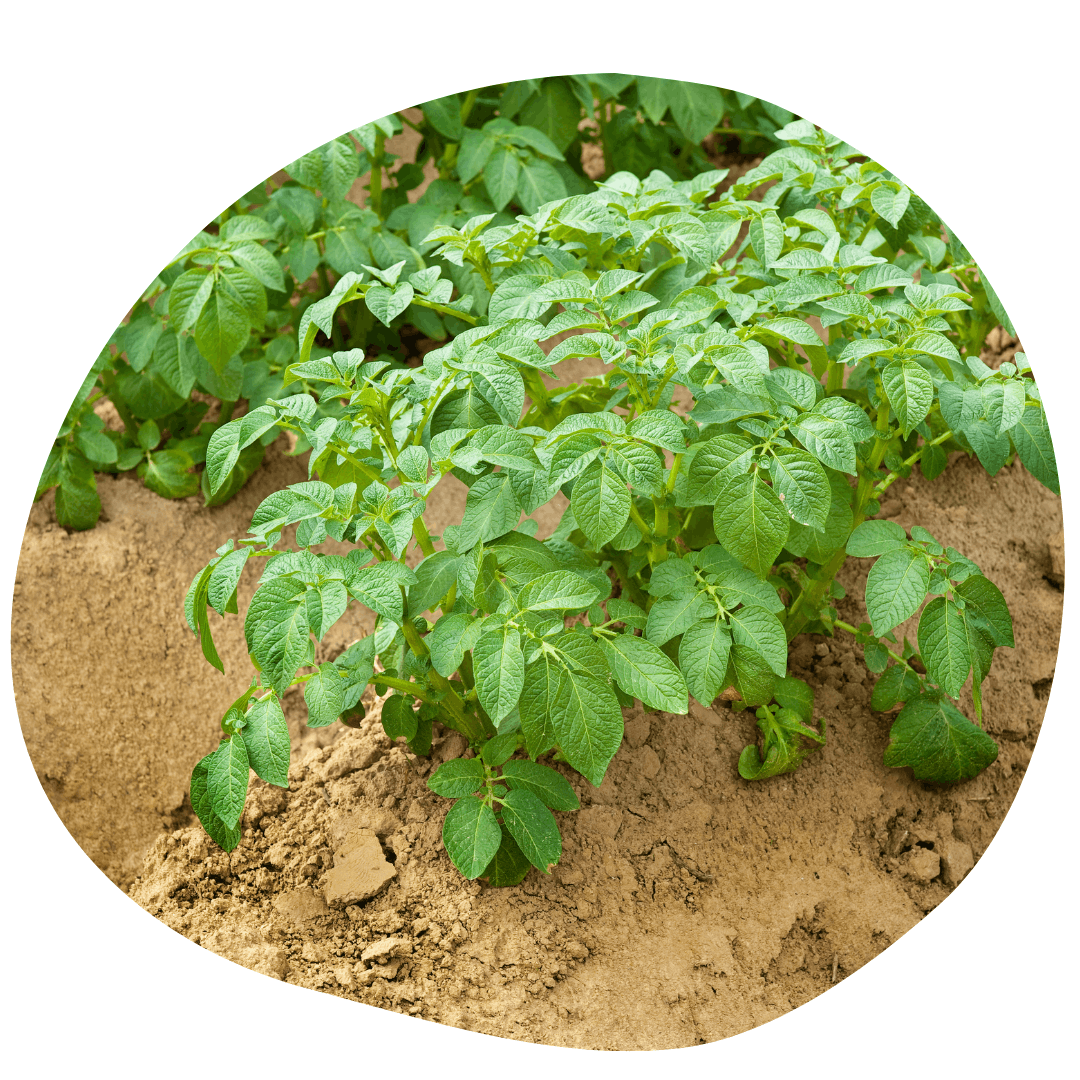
x: 889, y: 480
x: 403, y: 685
x: 640, y: 522
x: 834, y: 381
x: 899, y: 659
x: 227, y: 408
x: 423, y: 537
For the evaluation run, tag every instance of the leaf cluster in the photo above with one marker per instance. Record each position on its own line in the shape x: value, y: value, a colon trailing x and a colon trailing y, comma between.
x: 770, y: 368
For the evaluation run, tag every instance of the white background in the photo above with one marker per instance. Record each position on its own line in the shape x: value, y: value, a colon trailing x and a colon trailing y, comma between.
x: 128, y: 127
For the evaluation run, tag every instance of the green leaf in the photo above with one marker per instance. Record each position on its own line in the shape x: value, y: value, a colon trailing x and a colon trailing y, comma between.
x: 539, y: 697
x: 910, y: 390
x: 1031, y: 437
x: 875, y: 538
x: 588, y: 724
x: 895, y: 587
x: 260, y: 264
x: 938, y: 742
x: 703, y: 658
x: 168, y: 473
x: 499, y: 665
x: 379, y: 587
x: 539, y: 183
x: 387, y: 304
x: 97, y: 446
x: 696, y: 108
x: 986, y: 607
x: 751, y: 522
x: 444, y: 115
x: 501, y: 175
x: 227, y: 779
x: 551, y: 787
x: 188, y: 297
x: 266, y: 739
x: 221, y: 587
x: 277, y: 629
x: 560, y: 590
x: 554, y: 111
x: 492, y: 508
x: 509, y: 866
x: 453, y: 636
x: 434, y: 576
x: 324, y: 695
x: 226, y: 443
x: 669, y: 618
x: 471, y: 835
x: 890, y: 204
x: 399, y: 719
x: 534, y: 828
x: 796, y: 695
x: 766, y: 236
x: 753, y: 677
x: 225, y: 837
x: 802, y: 485
x: 935, y: 345
x: 714, y: 465
x: 645, y: 672
x: 819, y: 545
x: 897, y: 683
x: 225, y: 322
x: 458, y: 778
x: 828, y: 439
x: 499, y: 749
x: 760, y: 631
x: 600, y: 502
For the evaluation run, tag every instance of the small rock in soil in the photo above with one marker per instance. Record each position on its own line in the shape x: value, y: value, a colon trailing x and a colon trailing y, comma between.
x: 301, y: 905
x: 920, y: 864
x: 956, y: 860
x: 383, y: 950
x: 360, y: 870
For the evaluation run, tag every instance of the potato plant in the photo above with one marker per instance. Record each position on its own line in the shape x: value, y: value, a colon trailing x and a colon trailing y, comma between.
x: 217, y: 327
x: 770, y: 368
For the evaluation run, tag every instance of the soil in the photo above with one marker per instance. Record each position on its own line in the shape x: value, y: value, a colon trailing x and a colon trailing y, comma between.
x: 721, y: 903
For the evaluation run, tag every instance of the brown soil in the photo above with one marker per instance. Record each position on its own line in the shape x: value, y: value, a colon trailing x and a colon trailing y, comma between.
x: 722, y: 904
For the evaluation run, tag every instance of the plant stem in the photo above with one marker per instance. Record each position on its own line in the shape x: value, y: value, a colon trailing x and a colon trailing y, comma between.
x: 899, y: 659
x: 227, y: 408
x: 423, y: 537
